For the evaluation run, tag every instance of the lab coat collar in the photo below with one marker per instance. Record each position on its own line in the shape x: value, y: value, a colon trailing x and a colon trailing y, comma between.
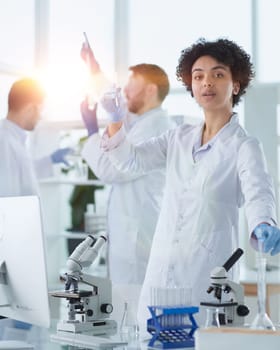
x: 18, y: 132
x: 153, y: 111
x: 221, y: 135
x: 227, y: 130
x: 132, y: 118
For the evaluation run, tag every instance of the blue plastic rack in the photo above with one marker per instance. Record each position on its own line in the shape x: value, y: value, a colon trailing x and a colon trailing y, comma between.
x: 172, y: 327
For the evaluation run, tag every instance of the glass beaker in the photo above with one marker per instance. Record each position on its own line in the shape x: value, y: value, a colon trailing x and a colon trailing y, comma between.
x: 129, y: 328
x: 212, y: 317
x: 262, y: 320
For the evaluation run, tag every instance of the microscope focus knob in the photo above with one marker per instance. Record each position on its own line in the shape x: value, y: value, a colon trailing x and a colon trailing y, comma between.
x: 106, y: 308
x: 90, y: 313
x: 242, y: 310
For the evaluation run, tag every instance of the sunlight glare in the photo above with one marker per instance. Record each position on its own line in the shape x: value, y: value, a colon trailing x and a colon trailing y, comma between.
x: 64, y: 83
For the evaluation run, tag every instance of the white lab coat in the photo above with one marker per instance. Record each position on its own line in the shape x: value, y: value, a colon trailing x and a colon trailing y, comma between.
x: 134, y: 200
x: 17, y: 169
x: 198, y: 224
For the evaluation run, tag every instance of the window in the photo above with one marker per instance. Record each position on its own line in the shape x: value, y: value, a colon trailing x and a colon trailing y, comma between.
x: 268, y: 41
x: 66, y: 76
x: 159, y: 30
x: 17, y: 57
x: 17, y: 33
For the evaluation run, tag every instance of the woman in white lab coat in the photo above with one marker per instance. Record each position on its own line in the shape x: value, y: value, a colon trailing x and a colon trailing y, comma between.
x: 212, y: 170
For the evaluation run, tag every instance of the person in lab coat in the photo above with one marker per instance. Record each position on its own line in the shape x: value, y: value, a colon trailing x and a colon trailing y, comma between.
x: 135, y: 199
x: 212, y: 170
x: 18, y: 173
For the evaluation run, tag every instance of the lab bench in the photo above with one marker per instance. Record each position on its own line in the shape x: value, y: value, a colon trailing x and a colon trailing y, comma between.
x: 43, y: 339
x: 64, y: 180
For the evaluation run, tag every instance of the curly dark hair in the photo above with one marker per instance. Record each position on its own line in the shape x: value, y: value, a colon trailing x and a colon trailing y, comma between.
x: 224, y: 51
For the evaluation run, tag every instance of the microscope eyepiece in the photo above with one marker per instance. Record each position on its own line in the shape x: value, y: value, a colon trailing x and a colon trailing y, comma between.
x: 232, y: 260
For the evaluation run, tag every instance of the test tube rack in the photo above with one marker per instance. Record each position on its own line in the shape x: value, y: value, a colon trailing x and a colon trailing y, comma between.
x: 172, y: 327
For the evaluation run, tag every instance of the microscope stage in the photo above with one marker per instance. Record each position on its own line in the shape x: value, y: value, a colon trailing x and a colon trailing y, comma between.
x: 72, y: 295
x: 218, y: 304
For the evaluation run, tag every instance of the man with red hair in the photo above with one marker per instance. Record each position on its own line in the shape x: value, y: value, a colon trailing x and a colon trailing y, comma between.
x: 17, y: 170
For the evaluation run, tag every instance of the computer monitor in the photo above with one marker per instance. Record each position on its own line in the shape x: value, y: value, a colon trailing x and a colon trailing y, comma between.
x: 23, y: 273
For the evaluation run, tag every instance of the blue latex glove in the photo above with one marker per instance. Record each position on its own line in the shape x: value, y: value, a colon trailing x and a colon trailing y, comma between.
x: 89, y: 58
x: 59, y: 156
x: 268, y: 238
x: 89, y: 117
x: 21, y: 325
x: 114, y: 104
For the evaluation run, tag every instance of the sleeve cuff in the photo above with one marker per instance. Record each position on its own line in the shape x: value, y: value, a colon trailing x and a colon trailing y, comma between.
x: 260, y: 220
x: 109, y: 143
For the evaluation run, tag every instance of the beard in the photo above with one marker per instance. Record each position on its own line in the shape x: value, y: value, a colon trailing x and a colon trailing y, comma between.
x: 136, y: 104
x: 135, y: 107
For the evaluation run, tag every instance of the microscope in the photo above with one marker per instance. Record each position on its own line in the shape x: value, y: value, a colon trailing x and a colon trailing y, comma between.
x: 88, y: 309
x: 229, y: 295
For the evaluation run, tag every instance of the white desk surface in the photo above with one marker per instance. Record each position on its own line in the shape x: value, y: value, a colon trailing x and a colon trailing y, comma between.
x: 40, y: 338
x: 247, y: 275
